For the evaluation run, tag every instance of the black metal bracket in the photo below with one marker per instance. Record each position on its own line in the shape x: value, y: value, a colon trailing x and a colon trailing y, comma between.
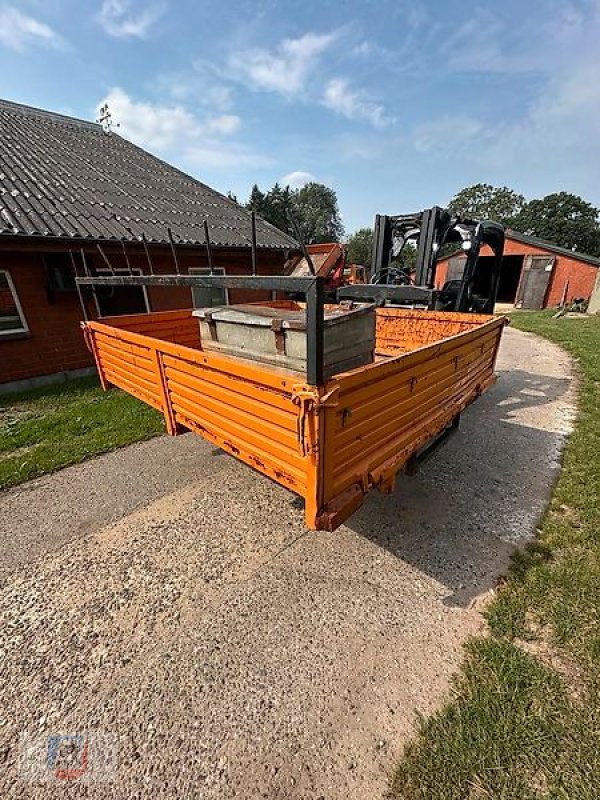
x: 384, y: 294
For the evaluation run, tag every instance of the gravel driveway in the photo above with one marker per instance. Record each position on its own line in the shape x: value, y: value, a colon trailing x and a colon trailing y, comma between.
x: 170, y: 596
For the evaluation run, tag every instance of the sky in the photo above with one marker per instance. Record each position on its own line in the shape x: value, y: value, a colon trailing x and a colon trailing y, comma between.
x: 396, y: 105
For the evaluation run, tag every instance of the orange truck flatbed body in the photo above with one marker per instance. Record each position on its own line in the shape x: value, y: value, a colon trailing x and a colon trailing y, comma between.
x: 329, y: 444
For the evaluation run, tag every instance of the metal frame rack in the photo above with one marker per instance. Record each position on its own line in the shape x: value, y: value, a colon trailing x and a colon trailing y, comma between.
x: 313, y: 289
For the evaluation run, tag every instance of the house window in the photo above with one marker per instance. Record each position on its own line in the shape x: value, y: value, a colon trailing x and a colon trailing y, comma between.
x: 214, y: 295
x: 112, y: 301
x: 59, y: 269
x: 12, y: 319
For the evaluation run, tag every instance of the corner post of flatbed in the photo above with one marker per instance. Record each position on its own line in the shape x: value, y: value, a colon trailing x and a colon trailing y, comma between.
x: 315, y: 326
x: 169, y: 414
x: 89, y: 337
x: 315, y: 323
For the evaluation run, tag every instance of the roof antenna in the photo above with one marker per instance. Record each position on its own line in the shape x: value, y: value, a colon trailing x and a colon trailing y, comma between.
x: 105, y: 119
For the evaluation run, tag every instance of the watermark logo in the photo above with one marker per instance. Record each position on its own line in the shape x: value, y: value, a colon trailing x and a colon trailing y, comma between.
x: 90, y: 757
x: 68, y: 756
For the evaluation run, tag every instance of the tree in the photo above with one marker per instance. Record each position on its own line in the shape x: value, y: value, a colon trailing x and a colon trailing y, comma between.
x: 483, y: 201
x: 563, y: 218
x: 408, y: 256
x: 273, y: 206
x: 360, y: 250
x: 279, y: 202
x: 360, y: 246
x: 256, y: 201
x: 316, y: 208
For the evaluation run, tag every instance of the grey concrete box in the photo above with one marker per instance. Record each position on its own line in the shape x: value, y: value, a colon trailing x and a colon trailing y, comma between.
x: 278, y: 336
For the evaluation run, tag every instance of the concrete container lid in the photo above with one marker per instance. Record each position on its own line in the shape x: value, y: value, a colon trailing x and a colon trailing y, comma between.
x: 268, y: 317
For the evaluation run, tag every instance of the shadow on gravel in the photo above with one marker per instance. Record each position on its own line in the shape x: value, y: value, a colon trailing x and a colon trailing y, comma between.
x: 480, y: 496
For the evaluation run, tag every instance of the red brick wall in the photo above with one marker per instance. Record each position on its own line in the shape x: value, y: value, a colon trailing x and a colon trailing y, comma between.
x: 234, y: 262
x: 581, y: 276
x: 441, y: 273
x: 55, y: 343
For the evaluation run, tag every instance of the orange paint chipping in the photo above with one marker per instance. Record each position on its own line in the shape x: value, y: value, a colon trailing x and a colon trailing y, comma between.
x: 329, y: 444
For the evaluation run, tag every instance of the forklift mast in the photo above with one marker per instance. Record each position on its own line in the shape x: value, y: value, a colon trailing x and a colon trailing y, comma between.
x: 392, y: 234
x: 430, y: 230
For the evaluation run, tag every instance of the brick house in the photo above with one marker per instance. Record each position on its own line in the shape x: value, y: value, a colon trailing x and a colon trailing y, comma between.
x: 535, y: 273
x: 67, y: 186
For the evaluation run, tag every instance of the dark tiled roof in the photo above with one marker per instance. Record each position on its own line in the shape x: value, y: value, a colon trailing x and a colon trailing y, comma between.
x: 64, y: 177
x: 553, y: 248
x: 542, y: 244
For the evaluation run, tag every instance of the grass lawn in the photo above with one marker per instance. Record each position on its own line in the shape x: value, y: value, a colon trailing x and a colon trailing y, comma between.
x: 46, y: 429
x: 524, y: 718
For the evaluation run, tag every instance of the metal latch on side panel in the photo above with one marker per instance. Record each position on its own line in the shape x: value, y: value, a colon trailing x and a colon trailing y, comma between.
x: 306, y: 400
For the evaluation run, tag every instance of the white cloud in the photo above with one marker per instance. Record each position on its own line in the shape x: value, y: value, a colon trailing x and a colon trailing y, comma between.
x: 365, y: 48
x: 486, y: 43
x: 201, y: 140
x: 447, y: 134
x: 552, y: 143
x: 219, y: 97
x: 230, y: 155
x: 285, y: 69
x: 353, y: 104
x: 120, y: 20
x: 292, y: 69
x: 297, y: 179
x: 225, y: 124
x: 557, y: 138
x: 148, y: 124
x: 17, y: 30
x: 194, y: 87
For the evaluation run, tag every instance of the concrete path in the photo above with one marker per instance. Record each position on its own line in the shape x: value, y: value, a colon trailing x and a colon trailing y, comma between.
x: 169, y: 595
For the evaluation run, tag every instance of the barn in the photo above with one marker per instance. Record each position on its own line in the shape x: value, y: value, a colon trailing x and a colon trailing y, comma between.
x: 73, y: 193
x: 535, y: 273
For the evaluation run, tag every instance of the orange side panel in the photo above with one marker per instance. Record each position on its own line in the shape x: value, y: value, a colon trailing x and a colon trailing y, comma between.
x: 129, y: 367
x: 403, y: 330
x: 249, y: 410
x: 178, y: 326
x: 386, y: 412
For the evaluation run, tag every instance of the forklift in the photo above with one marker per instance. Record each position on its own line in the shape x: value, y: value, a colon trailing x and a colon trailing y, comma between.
x: 429, y: 232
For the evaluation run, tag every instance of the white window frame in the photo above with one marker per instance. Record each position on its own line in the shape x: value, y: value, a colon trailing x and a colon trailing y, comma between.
x: 24, y: 326
x: 104, y: 271
x: 207, y: 271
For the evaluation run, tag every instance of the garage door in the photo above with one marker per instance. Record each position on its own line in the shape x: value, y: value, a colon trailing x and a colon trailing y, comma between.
x: 534, y: 281
x: 456, y: 268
